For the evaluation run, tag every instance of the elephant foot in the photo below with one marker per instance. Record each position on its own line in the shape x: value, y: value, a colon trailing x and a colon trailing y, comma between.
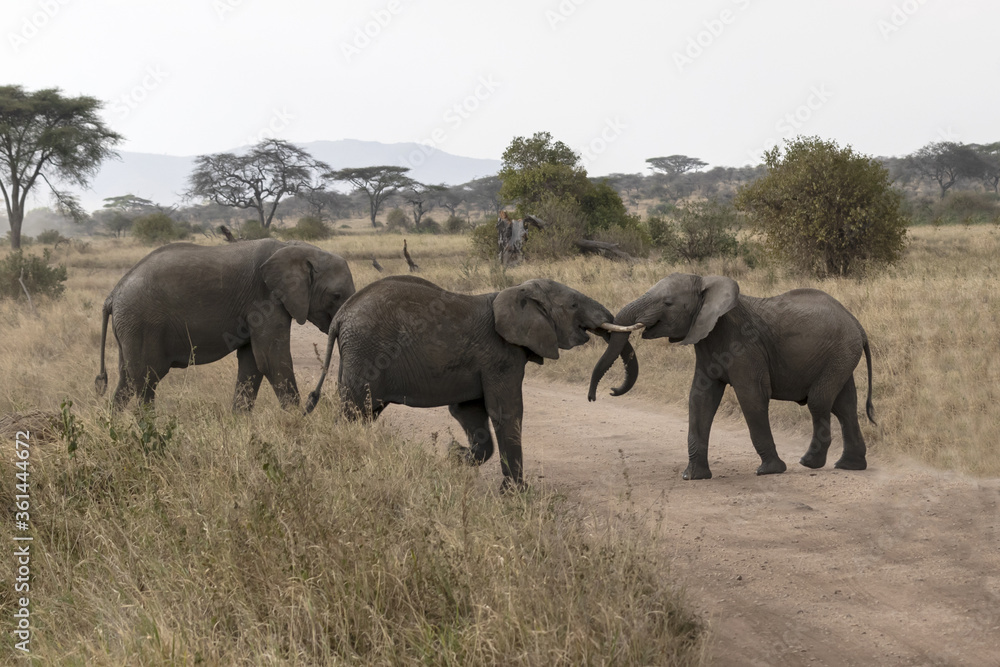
x: 813, y: 460
x: 846, y: 463
x: 772, y: 467
x: 508, y: 486
x: 696, y: 471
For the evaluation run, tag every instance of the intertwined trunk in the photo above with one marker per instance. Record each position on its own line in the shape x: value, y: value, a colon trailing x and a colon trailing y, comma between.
x: 618, y: 346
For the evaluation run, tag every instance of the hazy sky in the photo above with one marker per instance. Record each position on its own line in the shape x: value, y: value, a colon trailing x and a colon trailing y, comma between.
x: 617, y: 81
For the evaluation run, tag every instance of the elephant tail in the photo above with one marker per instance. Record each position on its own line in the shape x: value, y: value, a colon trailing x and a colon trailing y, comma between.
x: 315, y: 393
x: 101, y: 381
x: 869, y: 408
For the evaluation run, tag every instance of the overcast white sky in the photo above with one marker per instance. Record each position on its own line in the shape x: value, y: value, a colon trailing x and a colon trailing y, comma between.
x: 617, y: 81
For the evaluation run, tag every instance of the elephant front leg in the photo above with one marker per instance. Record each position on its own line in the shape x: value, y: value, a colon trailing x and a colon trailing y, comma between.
x: 754, y: 403
x: 248, y: 379
x: 273, y: 357
x: 506, y: 413
x: 475, y: 422
x: 703, y: 403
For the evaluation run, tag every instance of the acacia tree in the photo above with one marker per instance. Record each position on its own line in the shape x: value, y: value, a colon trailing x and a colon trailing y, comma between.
x: 46, y: 136
x: 675, y: 165
x: 255, y: 180
x: 120, y: 212
x: 422, y: 198
x: 825, y: 208
x: 946, y: 162
x: 378, y: 183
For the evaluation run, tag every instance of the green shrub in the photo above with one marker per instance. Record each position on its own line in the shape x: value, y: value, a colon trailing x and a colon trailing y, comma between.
x: 428, y: 225
x: 157, y: 228
x: 966, y: 207
x: 51, y: 237
x: 484, y: 242
x: 565, y: 224
x: 253, y: 230
x: 824, y: 209
x: 696, y: 232
x: 308, y: 228
x: 632, y: 240
x: 396, y: 220
x: 38, y: 277
x: 455, y: 224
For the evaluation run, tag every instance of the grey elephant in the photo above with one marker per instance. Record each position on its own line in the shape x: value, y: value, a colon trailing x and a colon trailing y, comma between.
x: 405, y: 340
x: 188, y: 304
x: 799, y: 346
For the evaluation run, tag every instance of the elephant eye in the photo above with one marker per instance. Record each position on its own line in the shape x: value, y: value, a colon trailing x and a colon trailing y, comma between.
x: 667, y: 303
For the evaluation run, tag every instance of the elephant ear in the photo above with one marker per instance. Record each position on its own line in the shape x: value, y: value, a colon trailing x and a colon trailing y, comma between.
x: 521, y: 318
x: 718, y: 296
x: 288, y: 274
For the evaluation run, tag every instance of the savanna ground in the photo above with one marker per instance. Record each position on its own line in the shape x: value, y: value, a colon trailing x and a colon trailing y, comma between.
x: 278, y: 538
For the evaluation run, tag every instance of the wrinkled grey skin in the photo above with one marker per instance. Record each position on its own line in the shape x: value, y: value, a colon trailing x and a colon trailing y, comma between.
x: 799, y: 346
x: 188, y: 304
x: 405, y: 340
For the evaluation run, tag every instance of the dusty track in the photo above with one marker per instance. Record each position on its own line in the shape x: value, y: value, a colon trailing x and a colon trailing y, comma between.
x: 896, y: 565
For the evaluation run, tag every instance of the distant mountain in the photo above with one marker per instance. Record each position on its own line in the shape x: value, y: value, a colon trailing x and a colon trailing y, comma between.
x: 163, y: 178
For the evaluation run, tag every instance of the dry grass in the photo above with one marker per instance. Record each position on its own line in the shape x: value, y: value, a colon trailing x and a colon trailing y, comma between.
x: 199, y: 536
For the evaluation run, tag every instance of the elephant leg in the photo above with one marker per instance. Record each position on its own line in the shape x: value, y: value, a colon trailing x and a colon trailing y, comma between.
x: 815, y: 456
x: 358, y: 405
x: 126, y: 388
x: 754, y: 402
x: 845, y: 407
x: 703, y: 403
x: 506, y: 412
x: 274, y: 359
x: 475, y: 422
x: 248, y: 379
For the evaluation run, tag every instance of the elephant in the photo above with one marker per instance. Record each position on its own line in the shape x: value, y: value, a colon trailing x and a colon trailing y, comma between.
x: 799, y: 346
x: 188, y: 304
x: 407, y: 341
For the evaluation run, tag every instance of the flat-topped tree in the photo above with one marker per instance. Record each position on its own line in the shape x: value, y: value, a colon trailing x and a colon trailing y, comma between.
x: 46, y: 136
x: 255, y: 180
x: 675, y: 165
x: 377, y: 182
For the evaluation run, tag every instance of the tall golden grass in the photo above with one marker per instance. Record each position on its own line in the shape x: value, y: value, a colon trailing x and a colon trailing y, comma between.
x: 196, y: 536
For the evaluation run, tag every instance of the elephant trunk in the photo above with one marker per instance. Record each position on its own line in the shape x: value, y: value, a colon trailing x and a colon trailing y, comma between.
x: 618, y: 346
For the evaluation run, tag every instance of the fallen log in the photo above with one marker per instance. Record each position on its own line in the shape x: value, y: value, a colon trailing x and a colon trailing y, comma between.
x: 604, y: 249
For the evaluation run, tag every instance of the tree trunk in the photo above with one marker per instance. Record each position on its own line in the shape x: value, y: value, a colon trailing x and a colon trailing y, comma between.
x: 16, y: 220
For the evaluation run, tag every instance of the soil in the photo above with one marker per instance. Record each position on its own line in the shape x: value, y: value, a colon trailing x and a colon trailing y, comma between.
x: 895, y: 565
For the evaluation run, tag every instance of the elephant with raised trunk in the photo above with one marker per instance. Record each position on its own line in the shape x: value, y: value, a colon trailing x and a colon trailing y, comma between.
x: 799, y: 346
x: 187, y: 304
x: 405, y: 340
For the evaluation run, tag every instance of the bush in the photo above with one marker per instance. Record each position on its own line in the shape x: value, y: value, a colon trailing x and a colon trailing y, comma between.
x: 157, y: 228
x: 632, y: 240
x: 308, y: 228
x: 51, y: 237
x: 39, y: 278
x: 827, y: 210
x: 455, y: 225
x: 251, y: 230
x: 484, y: 242
x: 428, y: 225
x: 566, y: 225
x: 396, y: 220
x: 962, y: 207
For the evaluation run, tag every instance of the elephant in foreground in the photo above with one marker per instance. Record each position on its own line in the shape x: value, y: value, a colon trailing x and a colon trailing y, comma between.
x: 188, y: 304
x: 405, y: 340
x: 799, y: 346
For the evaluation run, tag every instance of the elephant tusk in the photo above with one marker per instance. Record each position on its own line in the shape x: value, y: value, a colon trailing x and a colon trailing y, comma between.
x: 617, y: 328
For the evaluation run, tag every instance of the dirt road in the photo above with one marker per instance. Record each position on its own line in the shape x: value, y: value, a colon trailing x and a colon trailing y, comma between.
x: 896, y: 565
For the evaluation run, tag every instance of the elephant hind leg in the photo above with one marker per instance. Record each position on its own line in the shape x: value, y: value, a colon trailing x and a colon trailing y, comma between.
x: 475, y: 422
x: 248, y: 379
x: 815, y: 456
x: 846, y: 410
x: 359, y: 405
